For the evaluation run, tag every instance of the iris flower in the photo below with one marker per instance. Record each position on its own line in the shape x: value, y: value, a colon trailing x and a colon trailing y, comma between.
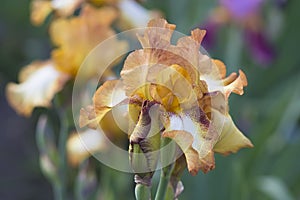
x: 247, y: 15
x: 177, y: 91
x: 130, y: 13
x: 74, y: 38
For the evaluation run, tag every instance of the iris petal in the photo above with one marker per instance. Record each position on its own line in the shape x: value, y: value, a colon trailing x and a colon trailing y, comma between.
x: 110, y: 94
x: 39, y: 82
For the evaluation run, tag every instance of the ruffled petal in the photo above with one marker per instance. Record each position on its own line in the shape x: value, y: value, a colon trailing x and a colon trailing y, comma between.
x: 221, y: 67
x: 157, y: 35
x: 39, y: 82
x: 213, y: 100
x: 186, y: 53
x: 189, y: 47
x: 193, y: 136
x: 214, y: 76
x: 158, y: 54
x: 173, y: 89
x: 194, y: 161
x: 199, y: 143
x: 81, y: 145
x: 135, y: 66
x: 235, y: 84
x: 146, y: 63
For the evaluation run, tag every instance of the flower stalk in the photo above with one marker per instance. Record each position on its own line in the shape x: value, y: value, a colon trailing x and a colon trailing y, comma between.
x: 62, y: 169
x: 53, y: 159
x: 166, y: 171
x: 142, y: 192
x: 163, y: 182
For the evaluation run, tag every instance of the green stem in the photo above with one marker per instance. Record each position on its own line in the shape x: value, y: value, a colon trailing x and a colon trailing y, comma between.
x: 107, y: 181
x: 58, y: 192
x: 49, y: 157
x: 62, y: 140
x: 163, y: 182
x: 142, y: 192
x: 165, y: 174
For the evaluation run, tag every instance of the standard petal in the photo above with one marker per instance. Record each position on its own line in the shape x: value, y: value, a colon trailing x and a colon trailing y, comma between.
x: 221, y: 66
x: 135, y: 66
x: 173, y: 89
x: 81, y: 145
x: 189, y: 48
x: 144, y: 65
x: 159, y: 54
x: 231, y: 138
x: 157, y: 35
x: 37, y: 88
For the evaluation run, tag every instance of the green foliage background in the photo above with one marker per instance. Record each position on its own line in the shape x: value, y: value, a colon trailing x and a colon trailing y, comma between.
x: 268, y: 112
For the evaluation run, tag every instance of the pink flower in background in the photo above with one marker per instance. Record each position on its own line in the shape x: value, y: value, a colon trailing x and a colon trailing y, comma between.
x: 241, y: 9
x: 259, y: 47
x: 245, y: 14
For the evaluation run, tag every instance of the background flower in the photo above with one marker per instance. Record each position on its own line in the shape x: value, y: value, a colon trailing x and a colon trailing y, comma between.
x: 248, y: 16
x: 40, y: 81
x: 131, y: 13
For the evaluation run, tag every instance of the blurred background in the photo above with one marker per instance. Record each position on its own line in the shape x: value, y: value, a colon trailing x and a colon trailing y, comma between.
x: 259, y: 37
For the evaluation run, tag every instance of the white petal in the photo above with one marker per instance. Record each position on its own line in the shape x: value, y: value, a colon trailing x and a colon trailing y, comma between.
x: 134, y: 14
x: 187, y: 124
x: 66, y: 7
x: 81, y: 145
x: 38, y: 88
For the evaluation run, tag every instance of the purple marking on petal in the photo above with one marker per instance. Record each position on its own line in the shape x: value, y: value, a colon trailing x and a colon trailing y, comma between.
x: 241, y: 9
x: 260, y: 47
